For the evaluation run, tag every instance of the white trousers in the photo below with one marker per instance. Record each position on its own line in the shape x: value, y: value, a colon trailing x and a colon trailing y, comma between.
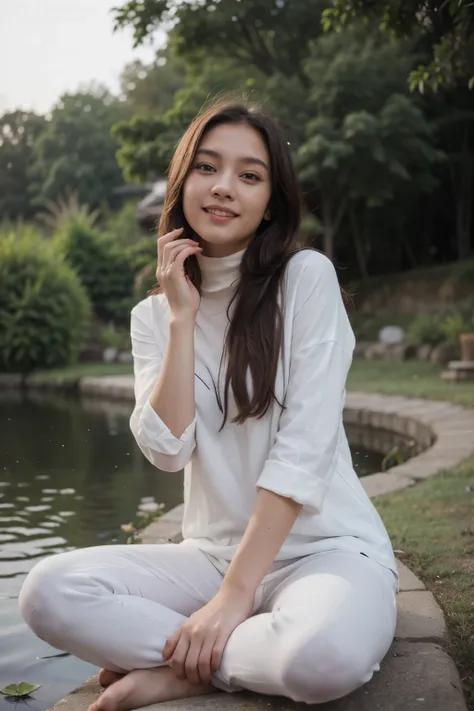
x: 321, y: 624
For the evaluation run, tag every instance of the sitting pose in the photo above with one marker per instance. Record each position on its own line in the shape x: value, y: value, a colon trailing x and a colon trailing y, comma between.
x: 285, y: 582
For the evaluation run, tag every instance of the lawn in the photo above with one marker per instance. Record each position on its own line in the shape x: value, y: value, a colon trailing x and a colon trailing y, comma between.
x: 433, y: 522
x: 409, y: 378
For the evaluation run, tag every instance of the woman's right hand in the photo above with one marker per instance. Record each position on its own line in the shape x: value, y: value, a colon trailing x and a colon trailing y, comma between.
x: 182, y: 295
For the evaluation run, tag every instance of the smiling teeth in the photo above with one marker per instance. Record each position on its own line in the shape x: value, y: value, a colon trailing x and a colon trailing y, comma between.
x: 221, y: 213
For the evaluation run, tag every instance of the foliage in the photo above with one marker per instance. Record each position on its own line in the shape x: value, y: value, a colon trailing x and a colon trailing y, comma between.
x: 44, y: 310
x: 142, y: 253
x: 121, y: 226
x: 453, y: 326
x: 58, y: 214
x: 445, y: 28
x: 426, y: 329
x: 148, y: 142
x: 102, y: 267
x: 368, y: 140
x: 20, y: 690
x: 18, y: 133
x: 76, y: 152
x: 250, y: 33
x: 119, y: 338
x: 149, y: 90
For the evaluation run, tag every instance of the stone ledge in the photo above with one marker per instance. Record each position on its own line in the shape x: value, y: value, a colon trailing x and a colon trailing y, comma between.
x: 420, y: 618
x: 412, y: 677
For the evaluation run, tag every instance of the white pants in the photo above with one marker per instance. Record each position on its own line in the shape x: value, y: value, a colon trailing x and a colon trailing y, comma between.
x: 321, y: 625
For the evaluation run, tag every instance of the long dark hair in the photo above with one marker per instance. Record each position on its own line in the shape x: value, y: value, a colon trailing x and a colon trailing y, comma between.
x: 255, y: 334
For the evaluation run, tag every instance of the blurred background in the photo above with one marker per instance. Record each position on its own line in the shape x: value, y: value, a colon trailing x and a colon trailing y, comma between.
x: 377, y: 100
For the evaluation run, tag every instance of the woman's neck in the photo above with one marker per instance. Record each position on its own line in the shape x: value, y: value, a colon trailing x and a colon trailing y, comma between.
x: 219, y: 273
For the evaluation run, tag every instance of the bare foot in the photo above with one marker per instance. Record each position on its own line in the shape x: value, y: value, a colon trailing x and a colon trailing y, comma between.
x: 143, y: 687
x: 107, y: 677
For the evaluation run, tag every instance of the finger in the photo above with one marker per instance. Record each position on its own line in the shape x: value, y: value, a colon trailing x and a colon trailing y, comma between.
x: 176, y: 266
x: 183, y: 254
x: 217, y: 652
x: 204, y: 662
x: 170, y: 645
x: 178, y: 659
x: 166, y: 238
x: 192, y: 659
x: 170, y: 252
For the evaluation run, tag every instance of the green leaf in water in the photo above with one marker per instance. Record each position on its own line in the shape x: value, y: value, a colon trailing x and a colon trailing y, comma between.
x: 19, y: 690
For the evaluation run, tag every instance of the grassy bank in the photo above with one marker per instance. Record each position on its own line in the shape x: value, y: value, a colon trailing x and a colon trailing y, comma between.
x: 410, y: 379
x: 433, y: 522
x: 85, y: 370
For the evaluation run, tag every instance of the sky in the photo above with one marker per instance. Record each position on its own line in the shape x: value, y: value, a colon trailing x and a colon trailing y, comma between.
x: 48, y: 47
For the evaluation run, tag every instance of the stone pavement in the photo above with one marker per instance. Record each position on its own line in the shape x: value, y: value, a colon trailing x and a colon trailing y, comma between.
x: 417, y: 673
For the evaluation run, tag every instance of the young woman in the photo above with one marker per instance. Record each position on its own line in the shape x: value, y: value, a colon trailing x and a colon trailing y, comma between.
x: 285, y: 582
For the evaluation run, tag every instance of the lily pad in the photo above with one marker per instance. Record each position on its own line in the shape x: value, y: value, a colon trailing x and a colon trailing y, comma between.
x: 19, y: 690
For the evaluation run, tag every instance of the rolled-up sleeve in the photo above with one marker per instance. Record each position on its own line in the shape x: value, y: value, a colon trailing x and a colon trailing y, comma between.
x: 156, y: 441
x: 304, y: 455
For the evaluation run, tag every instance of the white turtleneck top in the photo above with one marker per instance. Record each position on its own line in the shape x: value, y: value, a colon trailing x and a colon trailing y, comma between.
x: 301, y: 452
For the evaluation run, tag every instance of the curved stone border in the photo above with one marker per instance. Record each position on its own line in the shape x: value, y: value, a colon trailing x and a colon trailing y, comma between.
x: 417, y: 672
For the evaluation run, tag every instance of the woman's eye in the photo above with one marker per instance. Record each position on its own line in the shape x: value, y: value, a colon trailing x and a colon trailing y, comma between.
x: 205, y: 167
x: 251, y: 176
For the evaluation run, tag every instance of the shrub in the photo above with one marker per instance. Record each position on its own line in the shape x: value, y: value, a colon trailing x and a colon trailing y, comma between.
x: 102, y: 267
x: 122, y: 226
x: 116, y: 338
x: 453, y: 325
x: 142, y: 254
x: 44, y: 310
x: 426, y: 329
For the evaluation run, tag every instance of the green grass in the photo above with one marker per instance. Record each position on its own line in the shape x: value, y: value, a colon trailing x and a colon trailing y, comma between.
x: 408, y: 378
x: 433, y: 522
x: 85, y: 370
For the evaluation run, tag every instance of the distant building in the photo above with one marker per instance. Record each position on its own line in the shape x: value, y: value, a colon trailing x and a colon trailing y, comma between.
x: 150, y: 207
x: 151, y: 197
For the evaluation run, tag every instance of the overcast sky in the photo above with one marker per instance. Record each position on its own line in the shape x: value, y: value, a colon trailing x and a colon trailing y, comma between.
x: 48, y: 47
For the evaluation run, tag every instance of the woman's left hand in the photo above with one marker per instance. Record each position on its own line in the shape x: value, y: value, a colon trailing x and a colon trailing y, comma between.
x: 194, y: 652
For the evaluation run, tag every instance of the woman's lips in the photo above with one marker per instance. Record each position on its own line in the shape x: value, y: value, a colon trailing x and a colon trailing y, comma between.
x: 219, y: 216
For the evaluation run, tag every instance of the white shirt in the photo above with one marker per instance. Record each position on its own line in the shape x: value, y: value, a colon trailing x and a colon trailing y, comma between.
x: 301, y: 452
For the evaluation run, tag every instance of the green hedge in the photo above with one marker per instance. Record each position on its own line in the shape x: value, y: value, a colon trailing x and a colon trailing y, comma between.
x: 102, y: 266
x: 44, y: 310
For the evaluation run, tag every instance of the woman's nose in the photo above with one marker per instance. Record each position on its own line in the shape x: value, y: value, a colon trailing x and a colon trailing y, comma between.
x: 223, y: 188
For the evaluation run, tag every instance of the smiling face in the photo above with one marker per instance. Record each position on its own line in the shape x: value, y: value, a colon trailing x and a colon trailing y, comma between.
x: 227, y: 192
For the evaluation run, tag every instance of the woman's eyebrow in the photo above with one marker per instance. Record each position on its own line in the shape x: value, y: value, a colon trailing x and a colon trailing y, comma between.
x: 246, y: 159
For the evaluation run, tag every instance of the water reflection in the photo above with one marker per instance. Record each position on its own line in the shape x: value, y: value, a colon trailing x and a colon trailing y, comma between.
x: 70, y: 474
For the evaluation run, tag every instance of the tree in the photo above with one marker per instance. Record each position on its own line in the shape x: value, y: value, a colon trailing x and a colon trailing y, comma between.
x: 19, y: 131
x: 148, y: 141
x: 445, y: 29
x: 271, y: 35
x: 149, y: 90
x: 368, y: 140
x: 76, y: 152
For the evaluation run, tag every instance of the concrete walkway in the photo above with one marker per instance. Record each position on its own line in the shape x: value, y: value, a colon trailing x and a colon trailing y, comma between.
x: 417, y: 673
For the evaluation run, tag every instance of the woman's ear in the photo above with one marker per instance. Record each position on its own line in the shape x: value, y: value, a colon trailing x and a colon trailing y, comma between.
x: 267, y: 216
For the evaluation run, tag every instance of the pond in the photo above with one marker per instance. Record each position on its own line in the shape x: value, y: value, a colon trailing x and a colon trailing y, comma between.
x: 70, y: 475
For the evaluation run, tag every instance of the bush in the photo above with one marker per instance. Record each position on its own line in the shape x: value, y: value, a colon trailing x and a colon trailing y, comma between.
x: 427, y: 329
x: 122, y: 226
x: 453, y: 325
x: 142, y: 254
x: 102, y: 267
x: 44, y: 310
x: 116, y: 338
